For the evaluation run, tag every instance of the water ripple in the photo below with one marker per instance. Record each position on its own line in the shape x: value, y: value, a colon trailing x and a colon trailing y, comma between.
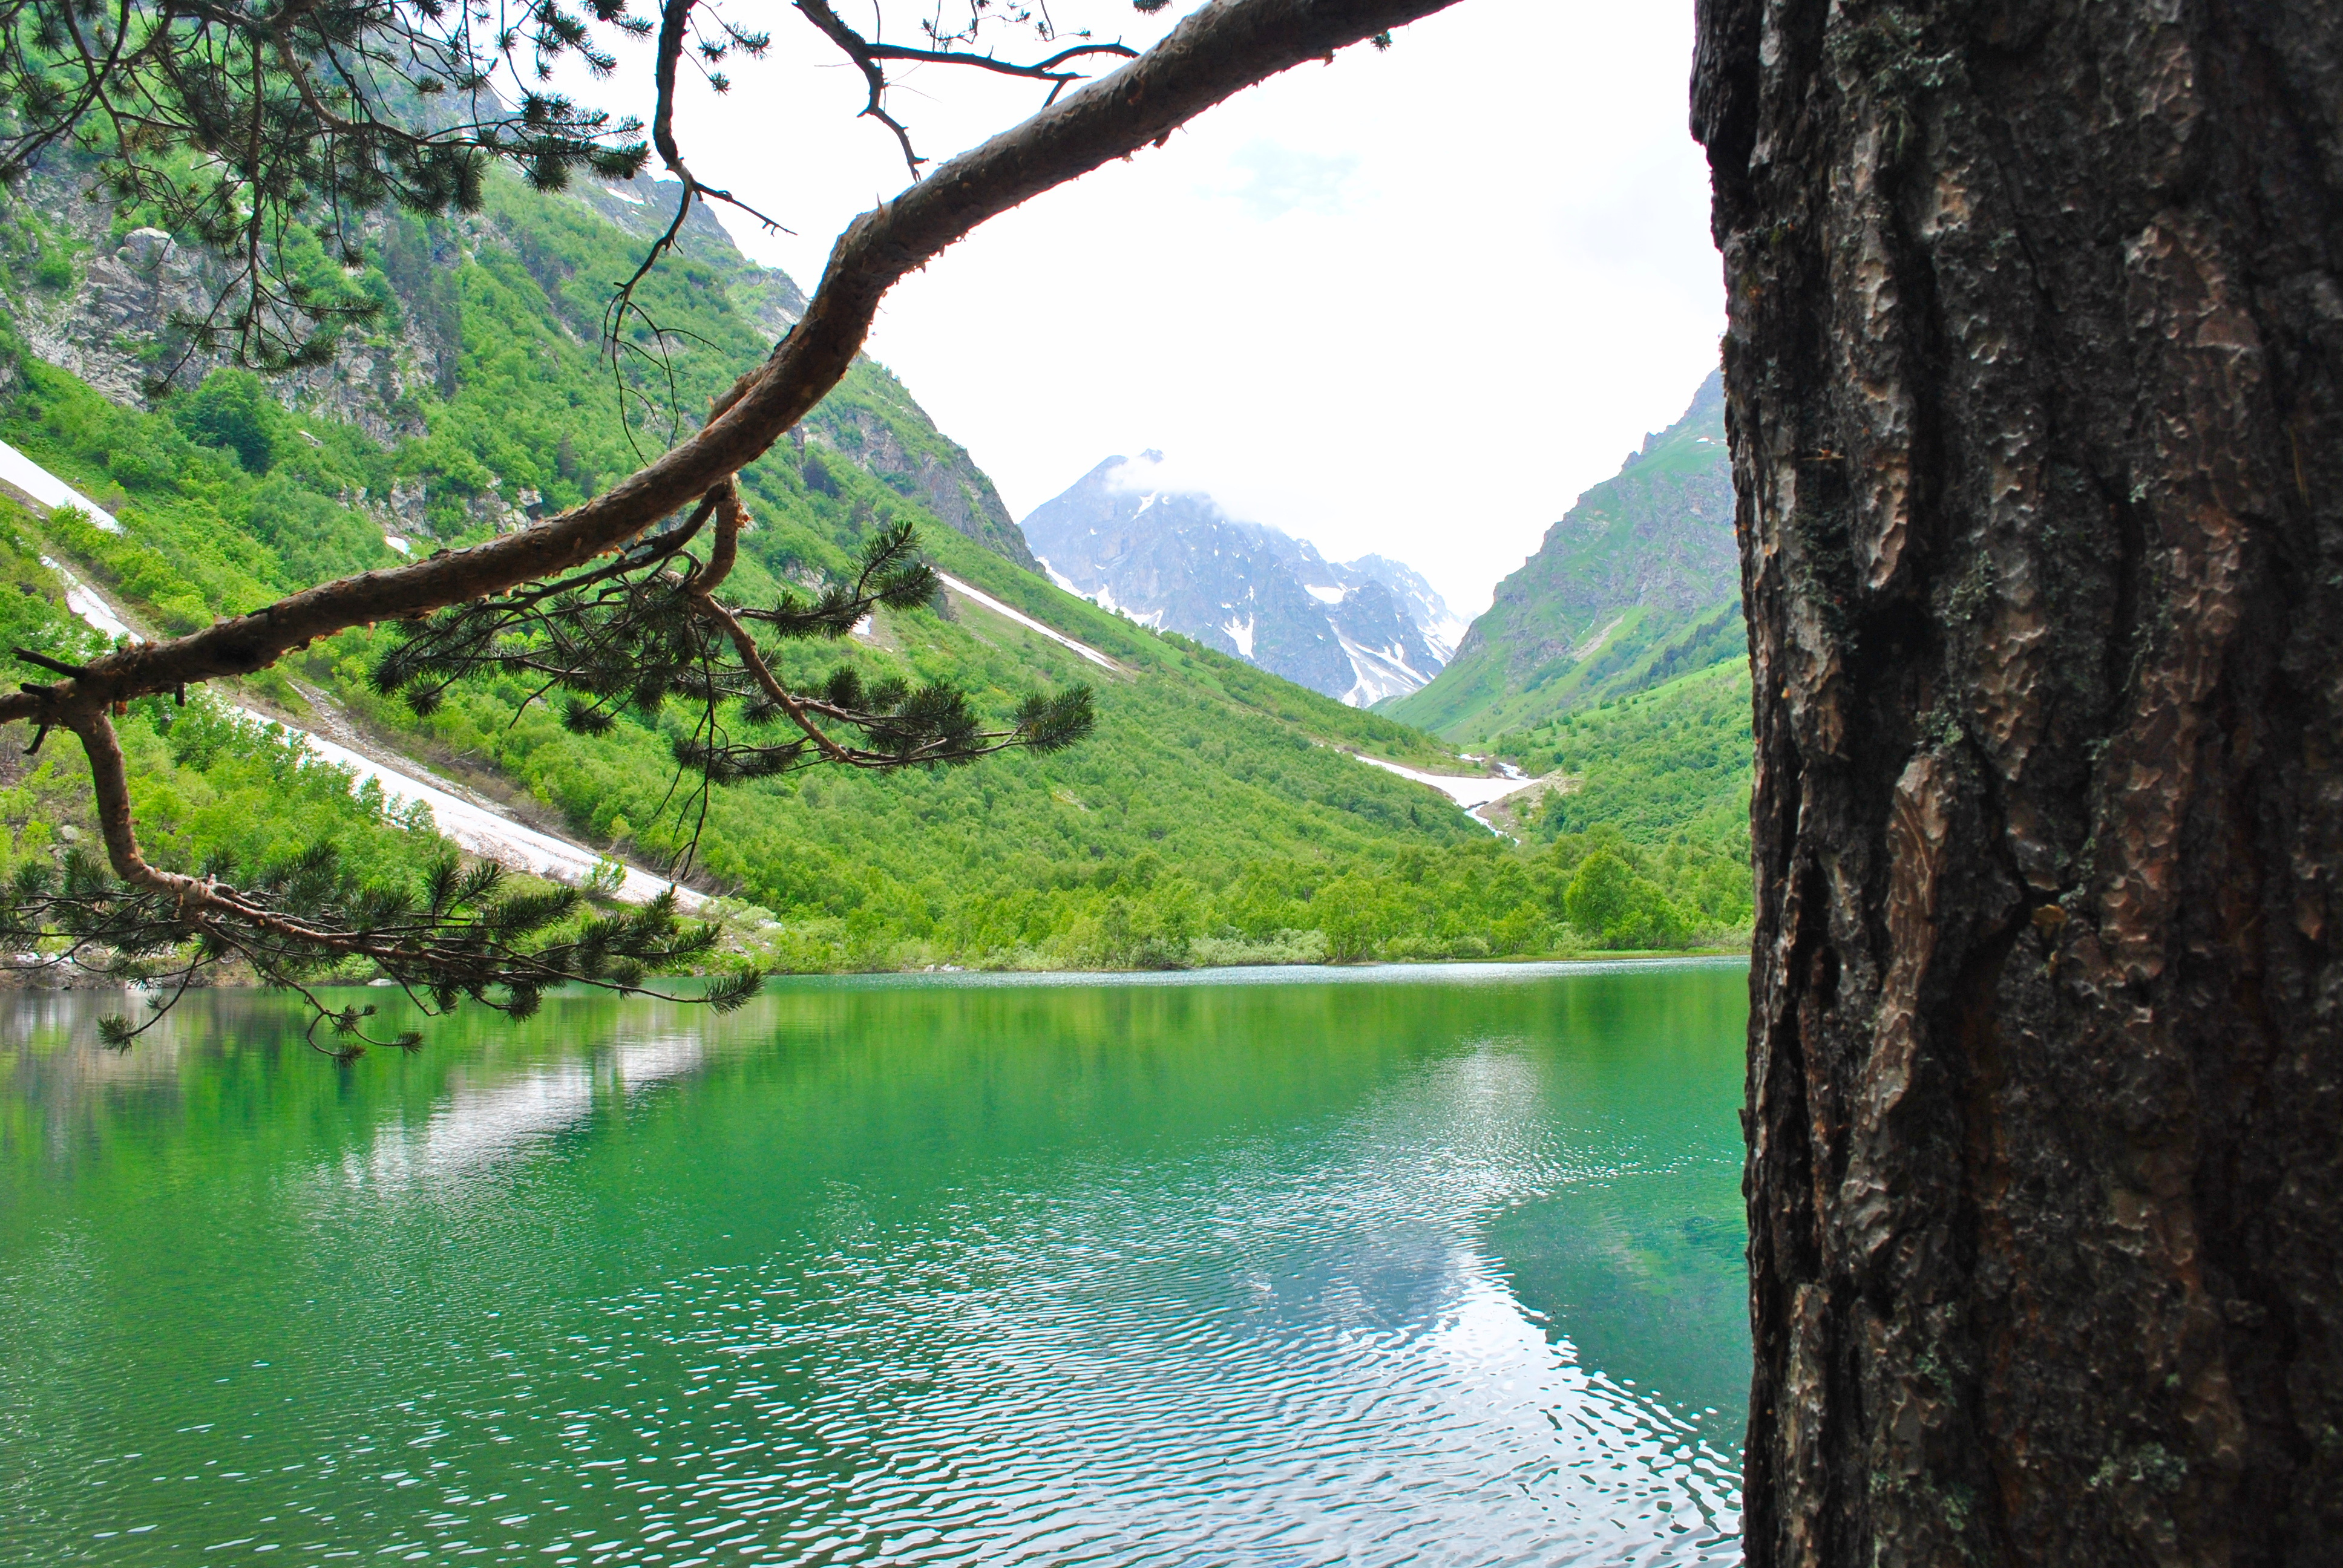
x: 1280, y: 1346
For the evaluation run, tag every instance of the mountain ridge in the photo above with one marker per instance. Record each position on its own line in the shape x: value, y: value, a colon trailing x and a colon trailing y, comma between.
x: 1172, y: 558
x: 1636, y: 584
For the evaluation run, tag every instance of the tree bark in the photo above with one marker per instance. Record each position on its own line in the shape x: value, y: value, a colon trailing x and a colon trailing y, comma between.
x: 2035, y: 381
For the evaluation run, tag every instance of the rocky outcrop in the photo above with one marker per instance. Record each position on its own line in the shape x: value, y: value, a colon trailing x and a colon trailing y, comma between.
x: 946, y: 481
x: 121, y: 320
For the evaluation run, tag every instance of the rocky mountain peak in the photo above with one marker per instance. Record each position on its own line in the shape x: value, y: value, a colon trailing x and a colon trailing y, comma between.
x: 1172, y: 558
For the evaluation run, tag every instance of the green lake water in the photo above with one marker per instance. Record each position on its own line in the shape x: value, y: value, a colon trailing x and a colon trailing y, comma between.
x: 1264, y: 1267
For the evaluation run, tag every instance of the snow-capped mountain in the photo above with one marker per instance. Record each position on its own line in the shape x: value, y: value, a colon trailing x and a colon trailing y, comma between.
x: 1443, y: 627
x: 1360, y: 630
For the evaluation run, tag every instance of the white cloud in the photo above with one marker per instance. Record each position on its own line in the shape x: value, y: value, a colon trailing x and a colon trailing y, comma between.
x: 1153, y: 472
x: 1411, y: 303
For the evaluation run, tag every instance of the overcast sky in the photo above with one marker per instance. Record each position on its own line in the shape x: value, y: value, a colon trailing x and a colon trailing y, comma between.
x: 1411, y: 303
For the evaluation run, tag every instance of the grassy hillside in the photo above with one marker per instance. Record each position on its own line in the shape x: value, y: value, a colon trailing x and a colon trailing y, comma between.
x: 1211, y: 818
x: 1637, y: 585
x: 213, y: 789
x: 1674, y: 760
x: 1659, y: 781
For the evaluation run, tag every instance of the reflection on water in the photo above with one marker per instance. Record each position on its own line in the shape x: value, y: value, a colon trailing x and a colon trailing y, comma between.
x: 478, y: 1124
x: 1385, y: 1268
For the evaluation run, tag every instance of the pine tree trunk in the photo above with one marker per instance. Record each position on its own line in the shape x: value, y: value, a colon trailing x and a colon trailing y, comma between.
x: 2035, y: 385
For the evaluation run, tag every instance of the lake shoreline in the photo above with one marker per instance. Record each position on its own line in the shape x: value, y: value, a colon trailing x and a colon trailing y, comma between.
x: 42, y: 979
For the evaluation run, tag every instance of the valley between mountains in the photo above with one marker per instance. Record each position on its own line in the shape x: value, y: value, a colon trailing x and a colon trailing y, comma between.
x: 1220, y: 813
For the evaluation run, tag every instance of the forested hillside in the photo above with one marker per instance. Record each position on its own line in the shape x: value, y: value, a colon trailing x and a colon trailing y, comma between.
x: 1670, y: 761
x: 1213, y: 816
x: 1614, y: 661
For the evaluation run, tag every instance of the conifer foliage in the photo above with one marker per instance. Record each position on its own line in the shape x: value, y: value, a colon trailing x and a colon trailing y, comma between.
x: 647, y: 628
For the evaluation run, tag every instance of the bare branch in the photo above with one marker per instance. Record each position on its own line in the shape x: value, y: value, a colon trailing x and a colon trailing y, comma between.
x: 675, y: 17
x: 859, y: 50
x: 867, y: 55
x: 1049, y: 70
x: 110, y: 784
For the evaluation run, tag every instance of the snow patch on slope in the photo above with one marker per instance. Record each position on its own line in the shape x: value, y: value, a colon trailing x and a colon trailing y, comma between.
x: 1381, y: 672
x: 1467, y: 789
x: 37, y: 484
x: 1060, y: 578
x: 458, y: 818
x: 979, y: 597
x: 1442, y: 636
x: 1477, y: 793
x: 83, y: 601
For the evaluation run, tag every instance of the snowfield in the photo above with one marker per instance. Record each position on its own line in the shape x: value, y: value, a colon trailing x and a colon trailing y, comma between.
x: 1470, y: 791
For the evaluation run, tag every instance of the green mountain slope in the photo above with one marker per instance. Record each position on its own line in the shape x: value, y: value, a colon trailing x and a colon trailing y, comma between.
x: 1657, y: 794
x: 1670, y: 762
x: 1213, y: 817
x: 1637, y: 584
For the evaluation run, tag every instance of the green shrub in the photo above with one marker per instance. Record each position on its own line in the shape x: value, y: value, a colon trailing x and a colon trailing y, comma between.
x: 233, y: 411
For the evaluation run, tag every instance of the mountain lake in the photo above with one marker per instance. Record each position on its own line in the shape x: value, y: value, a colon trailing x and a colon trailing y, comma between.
x: 1284, y: 1267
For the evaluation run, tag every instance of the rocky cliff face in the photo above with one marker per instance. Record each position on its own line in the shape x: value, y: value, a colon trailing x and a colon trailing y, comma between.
x: 1636, y: 584
x: 1362, y: 630
x: 113, y: 320
x: 115, y: 323
x: 1440, y: 627
x: 939, y: 475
